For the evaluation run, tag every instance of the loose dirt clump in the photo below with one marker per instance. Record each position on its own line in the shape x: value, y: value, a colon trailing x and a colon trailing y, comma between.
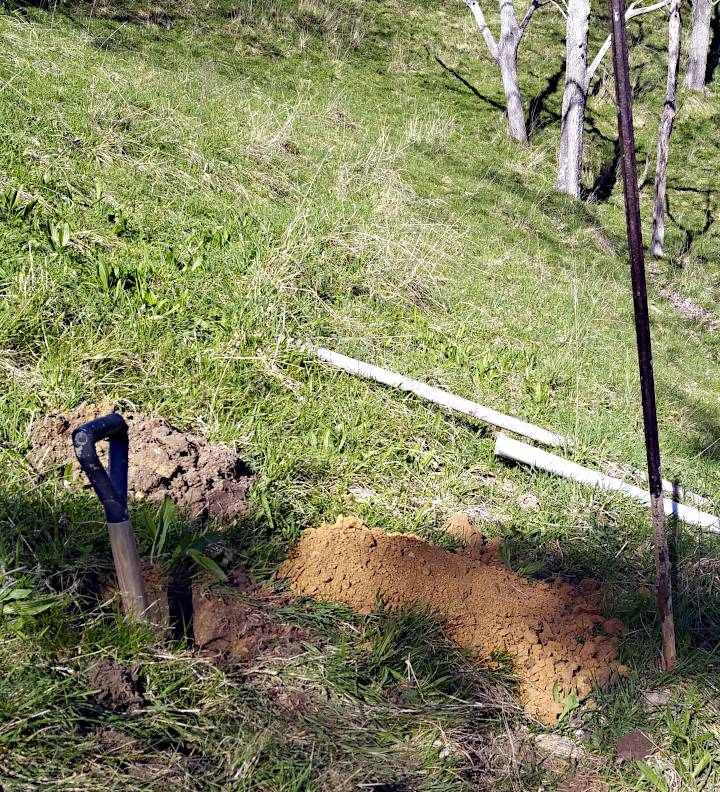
x: 205, y: 481
x: 461, y: 527
x: 116, y: 687
x: 553, y: 632
x: 238, y: 622
x: 634, y: 746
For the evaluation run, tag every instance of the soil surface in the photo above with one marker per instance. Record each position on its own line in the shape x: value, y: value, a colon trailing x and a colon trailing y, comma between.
x: 585, y: 782
x: 461, y: 527
x: 634, y: 746
x: 238, y: 623
x: 205, y: 481
x: 555, y: 634
x: 156, y: 588
x: 115, y: 686
x: 691, y: 310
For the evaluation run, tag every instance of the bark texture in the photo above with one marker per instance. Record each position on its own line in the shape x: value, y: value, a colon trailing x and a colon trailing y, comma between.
x: 574, y: 98
x: 666, y: 125
x: 699, y: 44
x: 504, y: 53
x: 577, y: 82
x: 513, y: 99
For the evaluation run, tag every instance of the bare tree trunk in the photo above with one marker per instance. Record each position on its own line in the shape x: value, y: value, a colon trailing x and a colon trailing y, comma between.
x: 504, y: 52
x: 510, y: 35
x: 664, y: 132
x: 574, y: 98
x: 513, y: 99
x: 578, y: 76
x: 699, y: 43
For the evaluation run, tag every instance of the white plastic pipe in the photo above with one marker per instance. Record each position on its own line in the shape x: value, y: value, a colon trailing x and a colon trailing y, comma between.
x: 467, y: 407
x: 552, y: 463
x: 437, y: 396
x: 679, y: 493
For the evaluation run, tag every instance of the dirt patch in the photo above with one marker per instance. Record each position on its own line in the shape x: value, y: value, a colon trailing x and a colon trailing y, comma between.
x: 156, y: 588
x: 691, y: 310
x: 115, y: 686
x: 583, y: 782
x: 553, y: 632
x: 238, y: 622
x: 205, y: 481
x: 100, y: 588
x: 114, y: 742
x: 634, y: 746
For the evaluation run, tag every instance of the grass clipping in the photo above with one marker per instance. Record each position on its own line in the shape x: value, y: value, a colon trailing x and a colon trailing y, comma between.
x: 559, y: 642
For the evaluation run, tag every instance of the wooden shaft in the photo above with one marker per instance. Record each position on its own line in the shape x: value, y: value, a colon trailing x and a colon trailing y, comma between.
x: 127, y: 566
x: 623, y: 94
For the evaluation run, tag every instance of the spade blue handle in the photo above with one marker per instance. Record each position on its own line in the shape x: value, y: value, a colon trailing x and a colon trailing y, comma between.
x: 110, y: 486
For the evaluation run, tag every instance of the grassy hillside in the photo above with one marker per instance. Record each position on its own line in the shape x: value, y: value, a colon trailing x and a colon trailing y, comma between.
x: 187, y: 186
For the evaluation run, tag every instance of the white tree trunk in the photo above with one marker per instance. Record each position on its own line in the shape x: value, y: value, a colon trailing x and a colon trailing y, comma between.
x: 664, y: 132
x: 513, y: 99
x: 699, y: 43
x: 510, y: 35
x: 504, y: 52
x: 574, y: 98
x: 578, y: 77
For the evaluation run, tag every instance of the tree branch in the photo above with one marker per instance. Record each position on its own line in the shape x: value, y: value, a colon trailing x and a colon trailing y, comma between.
x: 631, y: 12
x: 563, y: 11
x: 529, y: 13
x: 477, y: 12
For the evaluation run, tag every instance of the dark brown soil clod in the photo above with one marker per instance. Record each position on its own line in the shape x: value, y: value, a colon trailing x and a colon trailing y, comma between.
x: 238, y: 623
x: 634, y: 746
x: 205, y: 481
x: 115, y: 686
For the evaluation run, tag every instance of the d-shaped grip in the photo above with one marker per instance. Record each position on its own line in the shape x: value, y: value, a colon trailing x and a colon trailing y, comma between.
x: 111, y: 486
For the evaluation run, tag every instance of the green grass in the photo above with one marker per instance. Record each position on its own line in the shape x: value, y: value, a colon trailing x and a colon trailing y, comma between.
x: 186, y: 190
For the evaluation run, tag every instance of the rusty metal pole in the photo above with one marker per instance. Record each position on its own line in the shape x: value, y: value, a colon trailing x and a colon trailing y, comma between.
x: 623, y: 91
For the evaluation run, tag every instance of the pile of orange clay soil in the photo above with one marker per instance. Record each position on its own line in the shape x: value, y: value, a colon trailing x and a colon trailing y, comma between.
x: 556, y: 636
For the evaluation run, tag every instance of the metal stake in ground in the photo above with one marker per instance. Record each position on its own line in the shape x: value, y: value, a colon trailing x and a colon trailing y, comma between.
x: 623, y: 92
x: 112, y: 491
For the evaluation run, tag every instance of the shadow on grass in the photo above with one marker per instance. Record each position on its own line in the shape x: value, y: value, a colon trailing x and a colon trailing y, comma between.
x: 538, y: 103
x: 346, y: 705
x: 473, y: 90
x: 704, y: 420
x: 603, y: 186
x: 691, y: 234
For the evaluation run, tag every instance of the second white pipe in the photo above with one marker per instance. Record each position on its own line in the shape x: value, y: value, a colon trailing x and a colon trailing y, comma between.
x: 508, y: 448
x: 438, y: 396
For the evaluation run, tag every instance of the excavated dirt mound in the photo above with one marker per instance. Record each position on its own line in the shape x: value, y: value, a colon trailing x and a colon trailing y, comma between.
x: 205, y: 481
x: 559, y: 641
